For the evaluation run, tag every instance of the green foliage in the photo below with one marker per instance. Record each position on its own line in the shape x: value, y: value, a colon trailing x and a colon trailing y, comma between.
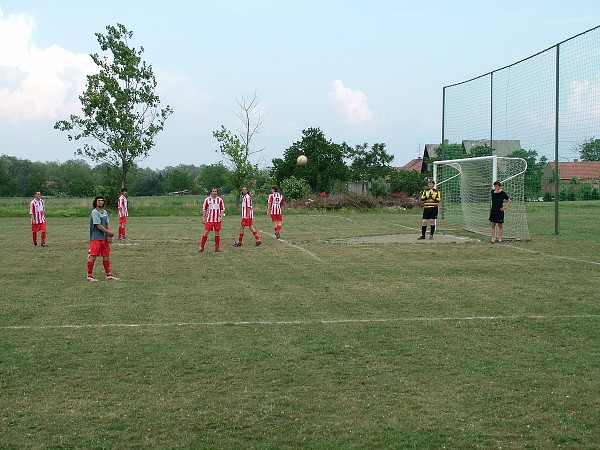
x: 120, y: 108
x: 534, y: 174
x: 450, y: 151
x: 325, y: 165
x: 147, y: 182
x: 214, y: 175
x: 294, y: 188
x: 178, y: 180
x: 378, y: 187
x: 368, y: 165
x: 480, y: 150
x: 410, y: 182
x: 590, y: 150
x: 232, y: 148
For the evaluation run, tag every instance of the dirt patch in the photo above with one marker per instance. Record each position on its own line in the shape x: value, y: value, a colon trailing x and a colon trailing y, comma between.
x: 404, y: 239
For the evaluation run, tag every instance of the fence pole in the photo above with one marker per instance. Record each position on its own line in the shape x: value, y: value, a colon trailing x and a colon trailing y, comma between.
x: 556, y: 180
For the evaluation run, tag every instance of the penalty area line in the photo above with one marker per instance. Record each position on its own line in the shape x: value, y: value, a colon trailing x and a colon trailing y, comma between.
x: 302, y: 322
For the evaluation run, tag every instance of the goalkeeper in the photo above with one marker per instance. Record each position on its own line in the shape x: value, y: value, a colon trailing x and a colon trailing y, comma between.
x: 497, y: 211
x: 431, y: 198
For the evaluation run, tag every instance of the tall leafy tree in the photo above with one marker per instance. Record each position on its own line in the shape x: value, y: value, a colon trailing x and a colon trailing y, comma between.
x: 325, y: 161
x: 370, y: 164
x: 121, y: 110
x: 590, y: 150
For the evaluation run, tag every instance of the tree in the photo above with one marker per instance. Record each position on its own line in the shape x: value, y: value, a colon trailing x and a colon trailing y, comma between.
x: 237, y: 149
x: 410, y: 182
x: 120, y: 108
x: 178, y: 180
x: 213, y: 175
x: 236, y: 153
x: 590, y: 150
x: 368, y: 165
x: 325, y: 161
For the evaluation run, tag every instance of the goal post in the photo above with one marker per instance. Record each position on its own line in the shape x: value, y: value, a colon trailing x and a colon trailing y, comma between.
x: 466, y: 186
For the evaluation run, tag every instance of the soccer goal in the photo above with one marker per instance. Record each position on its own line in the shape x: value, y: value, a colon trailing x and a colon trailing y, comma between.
x: 466, y: 186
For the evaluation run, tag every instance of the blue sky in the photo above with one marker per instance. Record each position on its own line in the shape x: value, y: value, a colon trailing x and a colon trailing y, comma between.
x: 361, y: 71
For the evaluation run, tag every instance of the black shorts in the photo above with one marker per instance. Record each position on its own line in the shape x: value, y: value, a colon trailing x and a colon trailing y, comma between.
x: 496, y: 216
x: 430, y: 213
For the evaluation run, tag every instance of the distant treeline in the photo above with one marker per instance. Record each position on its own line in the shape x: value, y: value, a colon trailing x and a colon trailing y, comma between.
x: 76, y: 178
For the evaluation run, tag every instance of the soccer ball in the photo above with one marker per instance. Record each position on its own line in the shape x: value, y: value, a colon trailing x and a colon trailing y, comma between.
x: 302, y: 160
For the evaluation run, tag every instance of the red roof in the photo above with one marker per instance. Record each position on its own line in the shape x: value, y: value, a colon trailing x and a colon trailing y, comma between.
x: 415, y: 164
x: 583, y: 170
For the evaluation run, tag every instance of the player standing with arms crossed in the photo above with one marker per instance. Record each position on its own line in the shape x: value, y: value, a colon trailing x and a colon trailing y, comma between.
x: 37, y: 213
x: 247, y: 218
x: 275, y: 203
x: 212, y: 217
x: 123, y: 213
x: 431, y: 198
x: 100, y: 239
x: 497, y: 211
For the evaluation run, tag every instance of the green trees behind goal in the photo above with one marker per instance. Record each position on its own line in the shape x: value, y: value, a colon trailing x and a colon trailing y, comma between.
x: 466, y: 186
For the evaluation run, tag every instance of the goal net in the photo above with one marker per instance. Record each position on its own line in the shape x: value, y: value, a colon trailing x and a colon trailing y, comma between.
x: 466, y: 186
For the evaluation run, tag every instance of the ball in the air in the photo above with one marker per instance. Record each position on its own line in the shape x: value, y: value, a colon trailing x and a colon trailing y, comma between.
x: 302, y: 160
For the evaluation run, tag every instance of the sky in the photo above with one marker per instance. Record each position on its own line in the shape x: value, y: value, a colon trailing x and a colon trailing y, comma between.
x: 361, y: 71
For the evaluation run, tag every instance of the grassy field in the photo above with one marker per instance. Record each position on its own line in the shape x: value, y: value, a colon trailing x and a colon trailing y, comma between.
x: 308, y: 342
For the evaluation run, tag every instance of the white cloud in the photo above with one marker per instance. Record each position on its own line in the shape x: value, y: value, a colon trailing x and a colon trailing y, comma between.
x: 37, y: 84
x: 351, y: 104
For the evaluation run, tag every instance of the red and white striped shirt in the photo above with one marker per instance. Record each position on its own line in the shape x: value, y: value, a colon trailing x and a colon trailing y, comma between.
x: 36, y: 210
x: 214, y: 208
x: 122, y: 205
x: 275, y: 203
x: 247, y: 209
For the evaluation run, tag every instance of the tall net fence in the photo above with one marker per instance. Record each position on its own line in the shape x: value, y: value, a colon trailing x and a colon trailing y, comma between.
x: 550, y: 104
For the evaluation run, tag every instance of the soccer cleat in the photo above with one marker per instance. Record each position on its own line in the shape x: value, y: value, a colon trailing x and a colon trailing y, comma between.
x: 35, y: 244
x: 277, y: 235
x: 44, y: 244
x: 237, y: 244
x: 420, y: 238
x: 431, y: 237
x: 91, y: 278
x: 200, y: 249
x: 112, y: 278
x: 258, y: 243
x: 218, y: 250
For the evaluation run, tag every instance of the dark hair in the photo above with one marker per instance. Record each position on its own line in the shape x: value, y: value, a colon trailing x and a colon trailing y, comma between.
x: 275, y: 188
x: 123, y: 190
x: 497, y: 183
x: 98, y: 197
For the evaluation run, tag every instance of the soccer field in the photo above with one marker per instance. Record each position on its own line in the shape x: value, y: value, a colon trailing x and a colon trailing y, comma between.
x: 336, y: 336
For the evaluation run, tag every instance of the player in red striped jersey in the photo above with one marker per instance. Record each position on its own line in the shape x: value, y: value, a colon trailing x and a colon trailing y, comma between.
x: 247, y: 218
x: 123, y: 213
x: 37, y: 213
x: 212, y: 217
x: 275, y: 203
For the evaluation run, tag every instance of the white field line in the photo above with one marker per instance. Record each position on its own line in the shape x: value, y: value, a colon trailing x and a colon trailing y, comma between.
x: 294, y: 246
x: 300, y: 322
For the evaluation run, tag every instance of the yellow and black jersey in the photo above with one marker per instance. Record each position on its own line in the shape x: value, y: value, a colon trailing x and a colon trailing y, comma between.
x: 430, y: 198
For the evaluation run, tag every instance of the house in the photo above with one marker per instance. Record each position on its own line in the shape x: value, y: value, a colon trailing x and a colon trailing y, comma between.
x: 583, y: 171
x: 418, y: 164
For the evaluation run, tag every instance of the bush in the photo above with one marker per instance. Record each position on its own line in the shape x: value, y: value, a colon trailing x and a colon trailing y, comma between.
x: 354, y: 201
x: 293, y: 188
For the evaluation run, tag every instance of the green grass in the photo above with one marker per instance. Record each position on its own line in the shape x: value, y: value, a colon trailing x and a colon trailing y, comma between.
x: 305, y: 343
